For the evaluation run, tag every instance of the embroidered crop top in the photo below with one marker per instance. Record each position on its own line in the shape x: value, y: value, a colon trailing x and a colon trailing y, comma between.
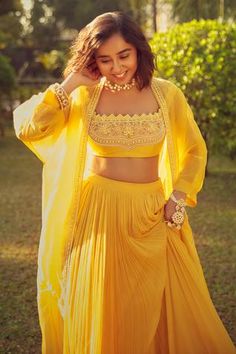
x: 138, y: 135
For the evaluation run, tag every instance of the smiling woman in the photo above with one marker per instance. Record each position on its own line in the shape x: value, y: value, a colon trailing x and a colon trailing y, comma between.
x: 118, y: 270
x: 121, y: 63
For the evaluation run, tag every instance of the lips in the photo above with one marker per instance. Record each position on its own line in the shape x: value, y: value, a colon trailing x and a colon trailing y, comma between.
x: 120, y: 76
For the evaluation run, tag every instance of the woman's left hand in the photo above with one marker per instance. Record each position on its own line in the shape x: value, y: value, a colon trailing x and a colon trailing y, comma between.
x: 169, y: 207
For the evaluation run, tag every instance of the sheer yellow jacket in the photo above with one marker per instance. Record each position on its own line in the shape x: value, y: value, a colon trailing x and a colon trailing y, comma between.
x: 59, y: 139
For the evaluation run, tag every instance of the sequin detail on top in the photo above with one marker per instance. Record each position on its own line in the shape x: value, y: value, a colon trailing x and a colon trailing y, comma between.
x: 127, y: 131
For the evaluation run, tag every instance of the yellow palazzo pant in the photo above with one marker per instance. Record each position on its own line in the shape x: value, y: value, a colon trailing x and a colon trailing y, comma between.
x: 135, y: 286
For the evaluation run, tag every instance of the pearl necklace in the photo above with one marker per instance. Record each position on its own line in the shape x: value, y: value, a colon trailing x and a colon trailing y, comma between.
x: 116, y: 87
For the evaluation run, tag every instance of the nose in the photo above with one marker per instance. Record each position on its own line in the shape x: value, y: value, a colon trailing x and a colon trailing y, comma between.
x: 116, y: 67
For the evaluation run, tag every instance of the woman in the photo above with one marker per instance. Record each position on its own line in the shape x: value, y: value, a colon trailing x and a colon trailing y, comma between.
x: 118, y: 271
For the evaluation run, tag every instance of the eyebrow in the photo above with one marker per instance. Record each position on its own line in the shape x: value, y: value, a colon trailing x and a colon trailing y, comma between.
x: 122, y: 51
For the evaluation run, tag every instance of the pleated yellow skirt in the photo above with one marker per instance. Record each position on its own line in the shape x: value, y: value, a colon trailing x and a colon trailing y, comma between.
x: 135, y: 286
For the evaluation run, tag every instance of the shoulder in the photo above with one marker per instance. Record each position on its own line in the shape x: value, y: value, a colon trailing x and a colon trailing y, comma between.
x: 166, y: 86
x: 171, y: 92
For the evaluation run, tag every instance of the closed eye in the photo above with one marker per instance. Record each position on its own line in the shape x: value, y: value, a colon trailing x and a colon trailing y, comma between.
x: 107, y: 61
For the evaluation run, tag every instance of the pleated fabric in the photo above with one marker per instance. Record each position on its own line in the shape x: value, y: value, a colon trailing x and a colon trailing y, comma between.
x: 135, y: 286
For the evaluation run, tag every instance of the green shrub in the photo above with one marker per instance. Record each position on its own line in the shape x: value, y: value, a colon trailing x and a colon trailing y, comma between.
x: 200, y: 57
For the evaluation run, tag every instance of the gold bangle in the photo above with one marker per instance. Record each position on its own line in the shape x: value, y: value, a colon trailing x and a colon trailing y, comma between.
x: 61, y: 95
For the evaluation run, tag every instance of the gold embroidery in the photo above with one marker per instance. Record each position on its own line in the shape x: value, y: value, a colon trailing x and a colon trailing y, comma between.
x: 171, y: 150
x: 126, y: 130
x: 72, y: 221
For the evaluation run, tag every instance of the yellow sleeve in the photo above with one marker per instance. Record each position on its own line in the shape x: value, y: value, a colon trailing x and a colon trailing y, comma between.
x: 38, y: 117
x: 191, y: 150
x: 38, y: 122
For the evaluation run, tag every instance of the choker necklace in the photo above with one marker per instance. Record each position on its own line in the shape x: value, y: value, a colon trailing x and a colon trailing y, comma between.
x: 116, y: 87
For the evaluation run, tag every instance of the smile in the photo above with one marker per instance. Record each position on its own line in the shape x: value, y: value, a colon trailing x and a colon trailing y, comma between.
x: 120, y: 75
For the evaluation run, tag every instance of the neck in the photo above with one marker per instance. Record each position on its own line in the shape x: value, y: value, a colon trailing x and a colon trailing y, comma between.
x: 114, y: 87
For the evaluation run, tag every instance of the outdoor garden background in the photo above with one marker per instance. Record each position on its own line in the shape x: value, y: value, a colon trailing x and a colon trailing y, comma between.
x: 195, y: 46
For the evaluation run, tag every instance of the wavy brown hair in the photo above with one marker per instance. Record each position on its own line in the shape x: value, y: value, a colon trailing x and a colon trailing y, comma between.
x: 98, y: 31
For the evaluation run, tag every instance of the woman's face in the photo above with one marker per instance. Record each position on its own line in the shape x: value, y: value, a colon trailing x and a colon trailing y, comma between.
x: 117, y: 60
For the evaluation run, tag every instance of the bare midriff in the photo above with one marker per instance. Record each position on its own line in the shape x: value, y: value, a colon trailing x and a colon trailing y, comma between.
x: 128, y: 169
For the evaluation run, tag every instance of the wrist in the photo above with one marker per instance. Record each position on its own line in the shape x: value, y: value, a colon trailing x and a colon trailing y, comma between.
x: 70, y: 83
x: 177, y: 217
x: 179, y: 194
x: 61, y: 95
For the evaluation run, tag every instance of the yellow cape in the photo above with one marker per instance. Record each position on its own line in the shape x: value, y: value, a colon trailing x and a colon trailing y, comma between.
x: 59, y: 140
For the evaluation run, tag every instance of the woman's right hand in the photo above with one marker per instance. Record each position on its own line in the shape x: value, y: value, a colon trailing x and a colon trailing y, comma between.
x: 87, y: 76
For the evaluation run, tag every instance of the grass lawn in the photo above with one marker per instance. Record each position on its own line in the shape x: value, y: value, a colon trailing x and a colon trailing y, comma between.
x: 213, y: 222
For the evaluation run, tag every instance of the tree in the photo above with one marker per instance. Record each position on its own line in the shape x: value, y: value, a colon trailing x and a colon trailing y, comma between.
x: 200, y: 57
x: 50, y: 17
x: 10, y: 25
x: 7, y: 83
x: 187, y: 10
x: 44, y: 31
x: 9, y: 6
x: 7, y: 77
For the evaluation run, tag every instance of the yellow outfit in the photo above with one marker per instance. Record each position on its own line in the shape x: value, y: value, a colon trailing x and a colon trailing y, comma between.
x: 113, y: 278
x: 139, y: 135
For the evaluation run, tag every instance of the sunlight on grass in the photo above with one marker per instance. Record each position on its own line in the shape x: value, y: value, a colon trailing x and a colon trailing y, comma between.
x: 15, y: 252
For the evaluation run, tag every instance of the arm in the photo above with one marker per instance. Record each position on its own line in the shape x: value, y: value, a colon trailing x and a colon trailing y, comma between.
x: 192, y: 154
x: 39, y: 121
x: 192, y: 151
x: 40, y: 116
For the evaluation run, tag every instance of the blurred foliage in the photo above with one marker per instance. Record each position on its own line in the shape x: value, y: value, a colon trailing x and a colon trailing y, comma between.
x: 187, y: 10
x: 44, y: 27
x: 49, y: 18
x: 7, y: 84
x: 10, y: 6
x: 24, y: 92
x: 10, y: 27
x: 11, y: 12
x: 200, y: 57
x: 52, y: 61
x: 7, y: 76
x: 77, y: 14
